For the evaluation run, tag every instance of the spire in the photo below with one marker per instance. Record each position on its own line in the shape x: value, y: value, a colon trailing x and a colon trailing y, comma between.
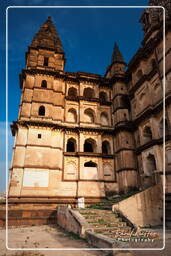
x: 117, y: 56
x: 47, y: 37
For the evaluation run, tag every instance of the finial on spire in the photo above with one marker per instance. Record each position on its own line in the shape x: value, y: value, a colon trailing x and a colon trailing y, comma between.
x: 117, y: 56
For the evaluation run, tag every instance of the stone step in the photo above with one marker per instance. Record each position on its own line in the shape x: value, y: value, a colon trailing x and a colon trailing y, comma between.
x: 99, y: 221
x: 107, y: 219
x: 100, y: 214
x: 111, y: 229
x: 108, y: 225
x: 96, y: 211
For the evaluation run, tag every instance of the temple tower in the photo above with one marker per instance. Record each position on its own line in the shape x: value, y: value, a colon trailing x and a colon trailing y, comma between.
x: 37, y: 156
x: 125, y: 159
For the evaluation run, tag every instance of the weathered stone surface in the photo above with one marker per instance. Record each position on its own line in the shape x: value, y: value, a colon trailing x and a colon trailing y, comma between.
x: 143, y: 209
x: 71, y: 221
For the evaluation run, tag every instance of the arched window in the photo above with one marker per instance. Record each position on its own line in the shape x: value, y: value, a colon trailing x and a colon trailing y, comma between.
x: 151, y: 164
x: 106, y: 148
x: 103, y: 96
x: 104, y: 118
x: 72, y: 92
x: 153, y: 63
x: 89, y: 93
x: 139, y: 74
x: 46, y: 61
x: 44, y: 84
x: 71, y: 145
x: 41, y: 111
x: 89, y: 115
x: 72, y: 115
x: 124, y: 100
x: 89, y: 145
x: 90, y: 164
x: 147, y: 134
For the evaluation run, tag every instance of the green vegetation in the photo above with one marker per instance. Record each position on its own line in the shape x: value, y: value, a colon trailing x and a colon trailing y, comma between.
x: 88, y: 213
x: 101, y: 221
x: 107, y: 203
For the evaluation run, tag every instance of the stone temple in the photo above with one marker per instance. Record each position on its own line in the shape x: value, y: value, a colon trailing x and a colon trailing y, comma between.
x: 80, y: 134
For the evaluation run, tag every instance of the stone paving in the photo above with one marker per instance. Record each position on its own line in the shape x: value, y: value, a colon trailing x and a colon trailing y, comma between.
x: 52, y: 236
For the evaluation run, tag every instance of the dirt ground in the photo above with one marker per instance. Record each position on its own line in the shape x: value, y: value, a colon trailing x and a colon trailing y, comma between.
x: 54, y: 237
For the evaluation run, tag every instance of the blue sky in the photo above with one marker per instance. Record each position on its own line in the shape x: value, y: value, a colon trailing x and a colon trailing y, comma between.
x: 88, y: 37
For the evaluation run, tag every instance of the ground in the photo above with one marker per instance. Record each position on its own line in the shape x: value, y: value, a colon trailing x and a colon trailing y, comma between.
x: 54, y: 237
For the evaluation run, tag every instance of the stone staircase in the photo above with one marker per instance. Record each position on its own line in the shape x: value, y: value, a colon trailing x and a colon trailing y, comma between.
x: 107, y: 223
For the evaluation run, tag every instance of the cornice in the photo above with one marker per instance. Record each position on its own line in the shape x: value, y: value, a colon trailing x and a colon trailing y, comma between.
x: 15, y: 124
x: 152, y: 143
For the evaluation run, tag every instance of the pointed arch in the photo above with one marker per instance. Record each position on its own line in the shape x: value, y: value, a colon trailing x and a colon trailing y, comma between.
x: 71, y: 145
x: 151, y: 163
x: 104, y: 118
x: 90, y: 145
x: 41, y: 111
x: 89, y: 115
x: 147, y: 134
x: 89, y: 93
x: 72, y: 92
x: 103, y: 96
x: 72, y: 115
x: 106, y: 150
x: 90, y: 164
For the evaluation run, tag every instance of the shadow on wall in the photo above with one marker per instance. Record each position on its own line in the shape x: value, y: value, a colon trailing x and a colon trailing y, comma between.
x: 143, y: 209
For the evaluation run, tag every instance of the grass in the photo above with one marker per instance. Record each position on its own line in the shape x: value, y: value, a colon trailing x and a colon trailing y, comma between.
x: 88, y: 213
x: 101, y: 221
x: 108, y: 202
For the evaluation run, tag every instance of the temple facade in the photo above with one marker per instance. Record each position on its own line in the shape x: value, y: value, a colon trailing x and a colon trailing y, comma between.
x: 80, y: 134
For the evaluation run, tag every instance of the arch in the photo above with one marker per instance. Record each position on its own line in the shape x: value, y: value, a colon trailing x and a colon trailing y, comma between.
x: 104, y: 118
x: 125, y: 102
x: 139, y: 74
x: 90, y: 164
x: 153, y: 63
x: 71, y: 145
x: 103, y: 96
x: 44, y: 84
x: 89, y: 115
x: 72, y: 92
x: 151, y: 163
x: 72, y: 115
x: 41, y: 111
x: 106, y: 148
x: 89, y: 145
x: 147, y: 134
x: 46, y: 61
x: 89, y: 93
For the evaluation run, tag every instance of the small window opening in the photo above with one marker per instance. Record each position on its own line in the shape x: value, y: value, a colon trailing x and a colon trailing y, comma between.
x: 42, y: 111
x: 39, y: 136
x: 46, y: 60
